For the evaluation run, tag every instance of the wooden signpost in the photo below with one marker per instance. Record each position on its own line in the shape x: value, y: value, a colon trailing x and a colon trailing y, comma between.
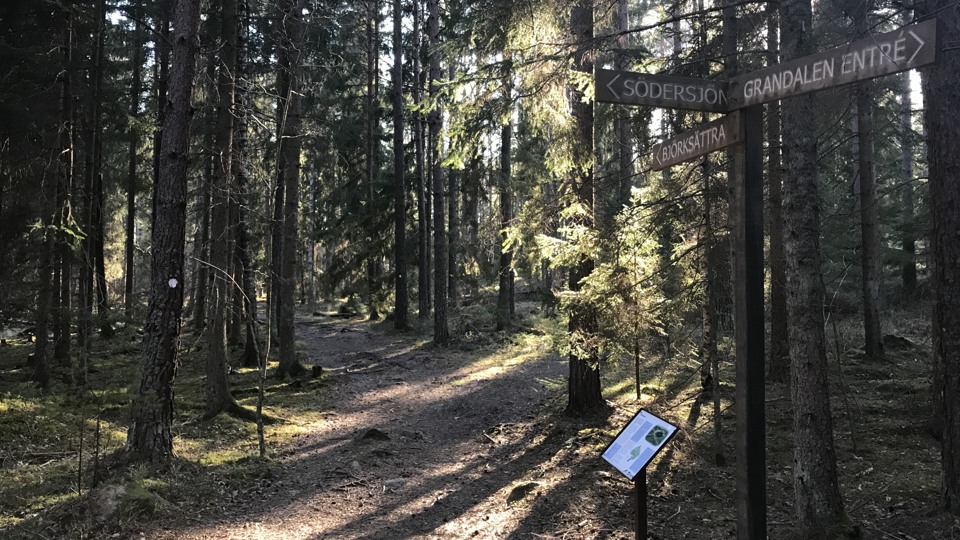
x: 667, y: 91
x: 909, y: 47
x: 707, y: 138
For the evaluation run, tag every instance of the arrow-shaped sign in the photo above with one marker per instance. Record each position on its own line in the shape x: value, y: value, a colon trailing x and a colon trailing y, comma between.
x: 611, y: 88
x: 920, y: 46
x: 660, y: 90
x: 702, y: 140
x: 867, y: 58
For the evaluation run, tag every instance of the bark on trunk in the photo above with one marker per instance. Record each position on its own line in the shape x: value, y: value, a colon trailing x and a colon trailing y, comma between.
x: 869, y: 226
x: 423, y: 215
x: 453, y: 239
x: 289, y: 167
x: 441, y: 333
x: 134, y: 144
x: 819, y: 507
x: 251, y: 356
x: 401, y: 302
x: 149, y: 436
x: 779, y: 368
x: 372, y: 147
x: 940, y: 85
x: 65, y: 218
x: 505, y: 270
x: 869, y: 220
x: 216, y: 384
x: 583, y: 388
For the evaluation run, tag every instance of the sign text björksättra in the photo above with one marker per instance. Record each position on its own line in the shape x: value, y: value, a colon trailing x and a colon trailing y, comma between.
x: 702, y: 140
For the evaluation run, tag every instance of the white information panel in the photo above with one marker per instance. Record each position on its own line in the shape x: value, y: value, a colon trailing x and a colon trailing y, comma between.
x: 638, y: 443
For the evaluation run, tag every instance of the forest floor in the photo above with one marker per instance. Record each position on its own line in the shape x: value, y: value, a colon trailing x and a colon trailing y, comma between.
x: 402, y: 440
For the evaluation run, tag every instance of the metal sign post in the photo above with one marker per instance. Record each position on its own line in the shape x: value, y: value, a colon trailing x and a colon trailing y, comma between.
x: 644, y: 436
x: 640, y: 481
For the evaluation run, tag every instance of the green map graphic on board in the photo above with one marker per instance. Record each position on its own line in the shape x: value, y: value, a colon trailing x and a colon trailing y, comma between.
x: 656, y: 436
x: 636, y: 452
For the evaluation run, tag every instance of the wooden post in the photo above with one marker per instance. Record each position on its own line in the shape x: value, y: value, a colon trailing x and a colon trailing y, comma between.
x: 750, y: 405
x: 641, y: 482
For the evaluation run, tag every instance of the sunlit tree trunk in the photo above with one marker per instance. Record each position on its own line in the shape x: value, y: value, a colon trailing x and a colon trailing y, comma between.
x: 441, y: 333
x: 150, y: 436
x: 400, y: 306
x: 505, y: 269
x: 583, y: 388
x: 289, y: 169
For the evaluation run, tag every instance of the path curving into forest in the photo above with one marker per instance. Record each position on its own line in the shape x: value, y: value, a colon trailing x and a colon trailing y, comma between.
x: 418, y: 442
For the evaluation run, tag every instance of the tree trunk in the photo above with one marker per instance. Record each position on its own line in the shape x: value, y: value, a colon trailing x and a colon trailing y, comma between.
x: 216, y: 384
x: 583, y: 387
x: 65, y: 218
x: 240, y: 156
x: 908, y: 234
x: 869, y: 221
x: 41, y: 362
x: 134, y: 144
x: 779, y: 368
x: 289, y: 169
x: 453, y: 238
x: 441, y: 333
x: 161, y: 76
x: 47, y: 245
x: 624, y: 130
x: 940, y: 85
x: 149, y: 436
x: 869, y: 226
x: 401, y: 303
x: 276, y: 235
x: 372, y: 147
x: 236, y: 320
x: 819, y: 506
x: 710, y: 368
x: 505, y: 270
x: 201, y: 245
x: 423, y: 215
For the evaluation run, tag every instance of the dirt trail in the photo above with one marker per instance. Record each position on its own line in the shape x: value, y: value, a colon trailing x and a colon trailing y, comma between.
x: 419, y: 443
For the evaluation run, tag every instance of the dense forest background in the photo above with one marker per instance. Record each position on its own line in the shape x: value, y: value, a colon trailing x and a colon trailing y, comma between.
x: 178, y: 167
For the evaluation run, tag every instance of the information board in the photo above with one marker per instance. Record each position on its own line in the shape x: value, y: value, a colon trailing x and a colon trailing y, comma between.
x: 638, y: 443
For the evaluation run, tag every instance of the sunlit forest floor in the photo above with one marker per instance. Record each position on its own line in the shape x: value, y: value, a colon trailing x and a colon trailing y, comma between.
x: 398, y: 439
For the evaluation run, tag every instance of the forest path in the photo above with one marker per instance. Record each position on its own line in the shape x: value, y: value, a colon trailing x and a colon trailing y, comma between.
x: 417, y: 442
